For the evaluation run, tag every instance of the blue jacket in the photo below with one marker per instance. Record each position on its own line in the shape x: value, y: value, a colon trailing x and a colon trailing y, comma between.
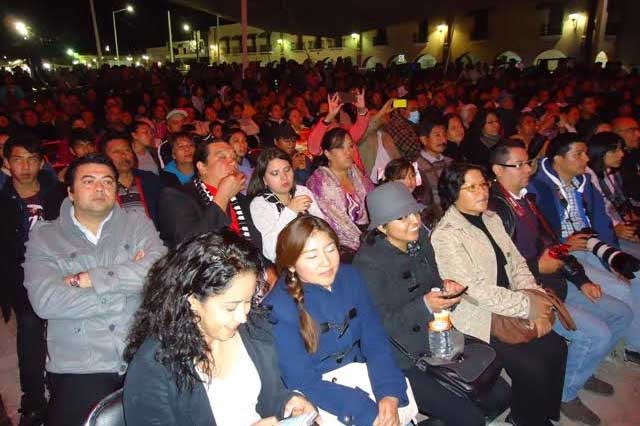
x: 151, y: 186
x: 548, y: 201
x: 303, y: 371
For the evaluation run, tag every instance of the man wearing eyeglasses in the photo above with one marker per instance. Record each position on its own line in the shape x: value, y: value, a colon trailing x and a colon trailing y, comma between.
x: 601, y: 319
x: 629, y: 130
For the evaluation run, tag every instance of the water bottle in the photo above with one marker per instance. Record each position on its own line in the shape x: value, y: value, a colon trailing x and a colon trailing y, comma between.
x: 440, y: 338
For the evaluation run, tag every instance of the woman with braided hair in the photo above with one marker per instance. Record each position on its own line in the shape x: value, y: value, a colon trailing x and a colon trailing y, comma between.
x: 330, y: 342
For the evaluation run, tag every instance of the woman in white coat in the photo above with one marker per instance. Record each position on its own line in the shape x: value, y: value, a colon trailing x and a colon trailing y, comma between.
x: 276, y: 199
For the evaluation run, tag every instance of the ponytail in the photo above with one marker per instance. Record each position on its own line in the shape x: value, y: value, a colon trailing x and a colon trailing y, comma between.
x: 308, y: 327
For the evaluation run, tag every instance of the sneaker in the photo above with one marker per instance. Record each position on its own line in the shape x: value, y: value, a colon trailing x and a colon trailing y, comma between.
x: 595, y: 385
x: 578, y: 412
x: 509, y: 420
x: 632, y: 356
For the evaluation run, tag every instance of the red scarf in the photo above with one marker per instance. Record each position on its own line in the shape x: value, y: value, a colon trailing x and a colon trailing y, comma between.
x: 234, y: 225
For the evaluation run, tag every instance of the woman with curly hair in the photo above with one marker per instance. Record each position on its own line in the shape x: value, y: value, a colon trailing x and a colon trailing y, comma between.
x: 197, y: 355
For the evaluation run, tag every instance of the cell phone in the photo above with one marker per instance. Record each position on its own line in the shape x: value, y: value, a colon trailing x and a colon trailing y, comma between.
x: 399, y: 103
x: 306, y: 419
x: 453, y: 296
x: 347, y: 97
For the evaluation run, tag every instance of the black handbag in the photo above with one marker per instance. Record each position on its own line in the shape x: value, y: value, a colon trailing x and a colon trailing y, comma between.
x: 471, y: 375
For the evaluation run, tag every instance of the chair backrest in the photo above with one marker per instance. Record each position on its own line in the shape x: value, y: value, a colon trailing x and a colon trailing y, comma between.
x: 108, y: 412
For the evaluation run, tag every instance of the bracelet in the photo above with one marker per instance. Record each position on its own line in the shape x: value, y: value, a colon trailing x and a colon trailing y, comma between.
x: 75, y: 280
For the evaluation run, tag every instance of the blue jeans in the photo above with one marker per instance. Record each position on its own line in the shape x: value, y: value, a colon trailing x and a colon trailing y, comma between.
x: 614, y: 286
x: 599, y: 327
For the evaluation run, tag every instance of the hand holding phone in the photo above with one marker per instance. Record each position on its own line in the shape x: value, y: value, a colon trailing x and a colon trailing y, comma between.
x: 399, y: 103
x: 455, y: 295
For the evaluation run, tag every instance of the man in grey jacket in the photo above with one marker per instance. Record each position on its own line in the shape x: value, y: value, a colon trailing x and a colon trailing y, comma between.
x: 84, y: 273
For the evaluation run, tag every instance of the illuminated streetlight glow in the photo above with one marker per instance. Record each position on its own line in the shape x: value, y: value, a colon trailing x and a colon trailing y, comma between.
x: 129, y: 58
x: 107, y: 48
x: 280, y: 41
x: 46, y: 65
x: 129, y: 8
x: 442, y: 27
x: 186, y: 27
x: 21, y: 28
x: 70, y: 52
x: 145, y: 57
x: 355, y: 36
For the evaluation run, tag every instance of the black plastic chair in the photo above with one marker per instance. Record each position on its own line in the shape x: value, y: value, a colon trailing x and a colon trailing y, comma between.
x: 108, y: 412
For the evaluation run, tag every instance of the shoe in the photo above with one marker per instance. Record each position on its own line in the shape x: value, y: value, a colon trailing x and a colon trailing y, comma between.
x: 600, y: 387
x: 31, y: 418
x: 632, y: 356
x: 512, y: 422
x: 578, y: 412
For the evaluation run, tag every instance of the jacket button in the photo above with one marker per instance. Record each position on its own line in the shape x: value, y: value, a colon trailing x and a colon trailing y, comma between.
x: 110, y: 273
x: 72, y: 255
x: 416, y: 328
x: 112, y: 327
x: 126, y: 246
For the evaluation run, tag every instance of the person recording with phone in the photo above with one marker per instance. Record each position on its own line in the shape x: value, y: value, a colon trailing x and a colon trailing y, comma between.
x: 398, y: 264
x: 601, y: 320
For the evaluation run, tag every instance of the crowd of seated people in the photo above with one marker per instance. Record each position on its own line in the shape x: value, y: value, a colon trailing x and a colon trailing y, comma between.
x: 241, y: 248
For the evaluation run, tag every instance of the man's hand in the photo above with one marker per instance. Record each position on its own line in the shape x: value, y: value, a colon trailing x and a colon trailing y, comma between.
x: 577, y: 242
x: 543, y: 326
x: 592, y: 291
x: 548, y: 264
x: 387, y: 412
x: 81, y: 280
x: 299, y: 405
x: 230, y: 186
x: 626, y: 231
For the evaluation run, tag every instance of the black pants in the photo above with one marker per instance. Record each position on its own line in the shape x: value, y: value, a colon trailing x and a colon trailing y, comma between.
x: 436, y: 401
x: 74, y: 395
x: 32, y: 352
x: 537, y: 377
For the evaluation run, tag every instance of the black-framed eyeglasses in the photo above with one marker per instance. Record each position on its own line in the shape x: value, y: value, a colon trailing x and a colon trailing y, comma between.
x: 519, y: 164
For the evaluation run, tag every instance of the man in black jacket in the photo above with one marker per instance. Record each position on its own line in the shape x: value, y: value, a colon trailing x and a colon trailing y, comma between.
x: 209, y: 203
x: 601, y: 320
x: 29, y: 196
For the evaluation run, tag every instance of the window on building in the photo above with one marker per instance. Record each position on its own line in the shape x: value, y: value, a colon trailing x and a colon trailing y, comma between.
x: 423, y: 32
x: 552, y: 18
x: 380, y: 39
x: 480, y: 29
x: 317, y: 43
x: 337, y: 41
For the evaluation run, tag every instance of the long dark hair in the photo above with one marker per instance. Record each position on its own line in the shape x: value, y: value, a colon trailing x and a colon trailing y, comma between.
x: 332, y: 139
x: 201, y: 267
x: 599, y: 145
x: 289, y: 247
x: 256, y: 183
x: 452, y: 179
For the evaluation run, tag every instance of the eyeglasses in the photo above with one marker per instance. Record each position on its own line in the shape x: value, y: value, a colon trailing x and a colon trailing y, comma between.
x: 519, y: 164
x: 476, y: 186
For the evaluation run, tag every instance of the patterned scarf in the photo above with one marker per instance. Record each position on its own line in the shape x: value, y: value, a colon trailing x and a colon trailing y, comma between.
x: 236, y: 209
x: 270, y: 197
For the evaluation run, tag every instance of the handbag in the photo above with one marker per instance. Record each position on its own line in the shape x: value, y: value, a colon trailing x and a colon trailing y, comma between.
x: 355, y: 375
x: 471, y: 375
x: 515, y: 331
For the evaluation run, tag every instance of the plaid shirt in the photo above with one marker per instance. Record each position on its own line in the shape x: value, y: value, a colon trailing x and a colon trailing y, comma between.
x: 403, y: 134
x: 572, y: 220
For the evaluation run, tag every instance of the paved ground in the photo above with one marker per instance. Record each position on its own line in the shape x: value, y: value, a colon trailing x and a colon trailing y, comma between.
x: 622, y: 409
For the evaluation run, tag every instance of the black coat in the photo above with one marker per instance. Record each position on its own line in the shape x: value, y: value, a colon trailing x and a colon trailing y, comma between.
x: 14, y: 233
x: 151, y: 396
x: 397, y: 283
x: 184, y: 214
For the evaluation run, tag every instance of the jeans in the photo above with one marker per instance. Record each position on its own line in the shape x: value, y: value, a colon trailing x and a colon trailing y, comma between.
x: 599, y: 327
x: 614, y: 286
x: 32, y: 352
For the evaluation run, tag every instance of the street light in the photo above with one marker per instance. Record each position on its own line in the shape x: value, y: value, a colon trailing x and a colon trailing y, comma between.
x: 70, y: 52
x: 128, y: 9
x: 22, y: 29
x: 107, y: 48
x: 186, y: 27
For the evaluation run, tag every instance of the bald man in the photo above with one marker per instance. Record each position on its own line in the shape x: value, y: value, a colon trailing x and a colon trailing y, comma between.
x: 629, y: 130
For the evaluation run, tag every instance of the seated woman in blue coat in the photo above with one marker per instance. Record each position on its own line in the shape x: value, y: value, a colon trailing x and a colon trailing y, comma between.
x: 324, y: 320
x: 198, y: 357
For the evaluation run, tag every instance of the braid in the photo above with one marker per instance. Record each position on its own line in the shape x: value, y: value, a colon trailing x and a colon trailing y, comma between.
x: 308, y: 327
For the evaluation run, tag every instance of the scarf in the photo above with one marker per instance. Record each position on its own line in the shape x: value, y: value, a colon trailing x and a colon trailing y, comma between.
x: 489, y: 141
x: 238, y: 218
x: 270, y: 197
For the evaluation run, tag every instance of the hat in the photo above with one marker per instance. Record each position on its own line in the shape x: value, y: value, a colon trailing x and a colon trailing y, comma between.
x: 390, y: 201
x: 176, y: 111
x: 285, y: 131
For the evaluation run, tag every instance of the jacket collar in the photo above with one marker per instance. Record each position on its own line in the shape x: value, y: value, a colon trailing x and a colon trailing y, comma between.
x: 550, y: 173
x: 455, y: 219
x: 66, y: 221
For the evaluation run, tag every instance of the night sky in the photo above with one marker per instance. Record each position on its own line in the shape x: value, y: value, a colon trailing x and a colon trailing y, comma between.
x: 67, y: 23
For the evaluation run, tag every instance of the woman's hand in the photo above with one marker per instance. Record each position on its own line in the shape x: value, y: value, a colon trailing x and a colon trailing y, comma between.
x: 300, y: 203
x: 299, y: 405
x: 387, y: 412
x: 543, y: 326
x: 334, y: 106
x: 436, y: 301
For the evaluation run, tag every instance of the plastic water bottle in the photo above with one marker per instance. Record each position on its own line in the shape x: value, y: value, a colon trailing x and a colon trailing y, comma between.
x: 440, y: 339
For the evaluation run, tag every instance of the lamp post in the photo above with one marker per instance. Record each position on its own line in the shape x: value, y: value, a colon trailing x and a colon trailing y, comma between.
x: 129, y: 9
